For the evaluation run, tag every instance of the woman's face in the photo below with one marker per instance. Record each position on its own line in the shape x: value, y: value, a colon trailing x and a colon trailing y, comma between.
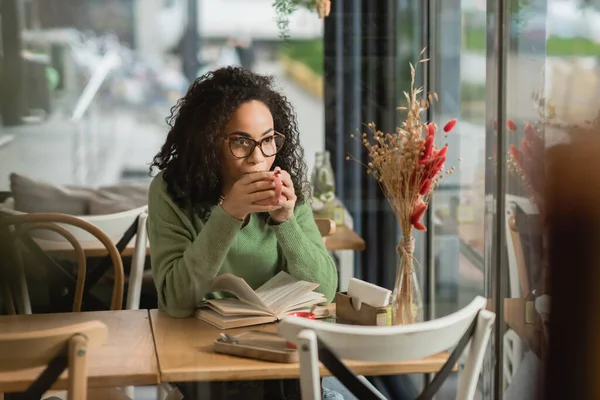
x: 251, y: 122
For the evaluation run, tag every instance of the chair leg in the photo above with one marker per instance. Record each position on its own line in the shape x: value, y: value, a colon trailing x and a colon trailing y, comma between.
x: 137, y: 265
x: 20, y: 294
x: 10, y: 304
x: 310, y: 382
x: 23, y: 295
x: 77, y: 384
x: 166, y: 391
x: 129, y: 391
x: 162, y: 391
x: 174, y: 394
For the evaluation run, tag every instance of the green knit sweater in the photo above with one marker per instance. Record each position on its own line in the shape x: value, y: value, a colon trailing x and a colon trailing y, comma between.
x: 187, y: 252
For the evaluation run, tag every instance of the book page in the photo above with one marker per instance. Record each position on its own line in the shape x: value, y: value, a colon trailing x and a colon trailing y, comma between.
x: 284, y: 291
x: 231, y: 306
x: 228, y: 322
x: 238, y: 287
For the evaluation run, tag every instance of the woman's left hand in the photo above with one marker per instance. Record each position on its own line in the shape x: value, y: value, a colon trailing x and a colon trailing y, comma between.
x: 287, y: 207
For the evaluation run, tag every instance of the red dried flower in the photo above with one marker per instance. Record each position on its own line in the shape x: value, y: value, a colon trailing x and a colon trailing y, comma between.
x: 428, y: 147
x: 436, y: 165
x: 417, y: 214
x: 425, y: 186
x: 449, y: 125
x: 442, y: 152
x: 516, y: 155
x: 419, y: 226
x: 511, y: 125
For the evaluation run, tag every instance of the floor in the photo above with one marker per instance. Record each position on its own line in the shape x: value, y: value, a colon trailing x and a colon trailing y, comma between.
x: 447, y: 391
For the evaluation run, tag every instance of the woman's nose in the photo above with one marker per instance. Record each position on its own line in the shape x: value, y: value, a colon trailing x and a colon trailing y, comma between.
x: 256, y: 156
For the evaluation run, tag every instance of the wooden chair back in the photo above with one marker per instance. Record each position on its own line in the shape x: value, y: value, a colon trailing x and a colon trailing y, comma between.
x: 25, y: 223
x: 326, y: 226
x: 24, y: 350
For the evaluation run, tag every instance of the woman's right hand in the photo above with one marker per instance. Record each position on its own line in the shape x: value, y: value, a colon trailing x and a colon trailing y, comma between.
x: 249, y: 189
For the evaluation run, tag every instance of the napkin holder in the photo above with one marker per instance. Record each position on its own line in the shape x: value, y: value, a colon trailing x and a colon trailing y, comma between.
x: 351, y: 309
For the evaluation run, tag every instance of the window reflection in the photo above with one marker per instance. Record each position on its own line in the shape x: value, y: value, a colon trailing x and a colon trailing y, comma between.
x: 459, y: 55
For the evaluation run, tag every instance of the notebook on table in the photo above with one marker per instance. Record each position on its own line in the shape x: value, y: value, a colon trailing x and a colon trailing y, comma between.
x: 271, y: 302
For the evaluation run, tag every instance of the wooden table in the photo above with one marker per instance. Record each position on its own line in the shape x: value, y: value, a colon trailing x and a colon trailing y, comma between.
x: 184, y: 349
x: 63, y: 249
x: 344, y: 238
x: 127, y: 359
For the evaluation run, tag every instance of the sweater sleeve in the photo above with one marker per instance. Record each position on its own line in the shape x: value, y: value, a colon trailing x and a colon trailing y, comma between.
x: 305, y: 253
x: 183, y: 264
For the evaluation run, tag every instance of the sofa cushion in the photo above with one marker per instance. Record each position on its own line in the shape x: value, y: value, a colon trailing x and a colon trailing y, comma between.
x: 35, y: 196
x: 118, y: 198
x: 32, y: 196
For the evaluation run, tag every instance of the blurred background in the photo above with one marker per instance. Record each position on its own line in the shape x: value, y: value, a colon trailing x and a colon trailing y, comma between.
x: 87, y: 85
x: 106, y: 71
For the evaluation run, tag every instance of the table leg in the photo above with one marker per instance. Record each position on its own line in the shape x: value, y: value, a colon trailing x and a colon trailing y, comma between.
x: 22, y: 291
x: 345, y: 259
x: 346, y: 268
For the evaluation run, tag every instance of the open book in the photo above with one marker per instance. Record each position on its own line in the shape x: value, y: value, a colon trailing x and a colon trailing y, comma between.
x: 272, y: 301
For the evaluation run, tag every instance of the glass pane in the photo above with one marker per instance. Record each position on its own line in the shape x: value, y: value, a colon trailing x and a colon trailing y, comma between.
x: 459, y: 78
x: 551, y: 86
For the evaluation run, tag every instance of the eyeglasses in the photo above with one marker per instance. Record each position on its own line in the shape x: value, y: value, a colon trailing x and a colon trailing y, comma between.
x: 242, y: 147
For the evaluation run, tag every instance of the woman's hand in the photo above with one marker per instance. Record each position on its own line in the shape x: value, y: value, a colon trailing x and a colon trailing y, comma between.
x: 249, y: 189
x: 286, y: 209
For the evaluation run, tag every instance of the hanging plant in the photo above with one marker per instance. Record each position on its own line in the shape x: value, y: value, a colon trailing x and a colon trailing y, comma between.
x: 285, y: 8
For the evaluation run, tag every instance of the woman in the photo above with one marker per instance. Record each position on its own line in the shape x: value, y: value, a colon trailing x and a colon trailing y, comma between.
x: 228, y: 136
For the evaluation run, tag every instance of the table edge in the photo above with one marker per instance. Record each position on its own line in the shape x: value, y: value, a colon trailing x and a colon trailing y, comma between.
x: 186, y: 375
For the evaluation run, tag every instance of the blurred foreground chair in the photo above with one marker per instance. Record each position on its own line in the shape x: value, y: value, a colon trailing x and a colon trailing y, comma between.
x: 57, y: 349
x: 325, y: 342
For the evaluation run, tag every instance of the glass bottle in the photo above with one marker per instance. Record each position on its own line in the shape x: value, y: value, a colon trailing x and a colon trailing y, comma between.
x: 323, y: 182
x: 315, y: 172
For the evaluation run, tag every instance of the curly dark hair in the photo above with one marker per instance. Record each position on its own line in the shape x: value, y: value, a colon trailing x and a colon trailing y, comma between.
x: 190, y: 158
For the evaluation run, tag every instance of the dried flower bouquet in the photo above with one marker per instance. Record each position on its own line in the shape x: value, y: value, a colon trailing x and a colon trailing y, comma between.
x: 409, y: 167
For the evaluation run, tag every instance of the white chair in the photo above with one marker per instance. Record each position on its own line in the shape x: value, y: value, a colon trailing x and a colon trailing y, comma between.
x: 137, y: 263
x: 391, y: 344
x: 114, y: 226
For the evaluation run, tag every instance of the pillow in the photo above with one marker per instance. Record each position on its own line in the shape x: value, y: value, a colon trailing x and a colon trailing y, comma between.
x: 118, y: 198
x: 32, y: 196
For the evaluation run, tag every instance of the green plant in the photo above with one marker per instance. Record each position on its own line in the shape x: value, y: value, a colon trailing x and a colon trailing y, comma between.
x: 309, y: 52
x: 517, y: 9
x: 470, y: 92
x: 285, y: 8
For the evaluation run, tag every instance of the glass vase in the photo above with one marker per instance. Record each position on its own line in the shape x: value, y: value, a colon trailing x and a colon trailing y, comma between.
x: 323, y: 184
x: 406, y: 300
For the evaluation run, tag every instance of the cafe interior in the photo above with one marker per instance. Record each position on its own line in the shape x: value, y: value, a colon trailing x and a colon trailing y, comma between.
x: 449, y: 146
